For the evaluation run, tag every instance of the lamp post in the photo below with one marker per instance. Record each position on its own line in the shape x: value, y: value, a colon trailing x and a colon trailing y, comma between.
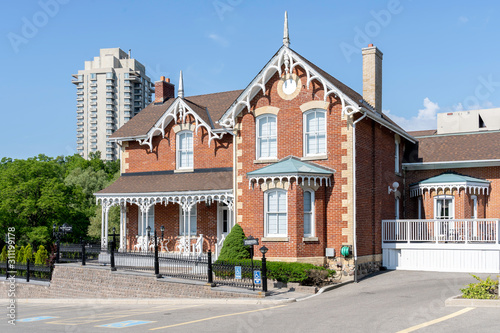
x: 264, y: 250
x: 58, y: 233
x: 157, y: 263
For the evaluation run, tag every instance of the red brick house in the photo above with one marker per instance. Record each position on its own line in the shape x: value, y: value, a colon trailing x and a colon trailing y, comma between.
x: 298, y: 159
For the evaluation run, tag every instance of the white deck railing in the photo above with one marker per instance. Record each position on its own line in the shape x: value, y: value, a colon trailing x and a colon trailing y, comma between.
x: 441, y: 231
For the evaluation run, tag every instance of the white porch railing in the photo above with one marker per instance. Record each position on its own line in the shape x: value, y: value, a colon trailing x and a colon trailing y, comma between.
x: 465, y: 231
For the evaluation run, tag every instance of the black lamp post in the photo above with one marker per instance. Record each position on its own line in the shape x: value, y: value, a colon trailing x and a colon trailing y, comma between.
x: 58, y: 233
x: 162, y: 228
x: 157, y: 264
x: 264, y: 250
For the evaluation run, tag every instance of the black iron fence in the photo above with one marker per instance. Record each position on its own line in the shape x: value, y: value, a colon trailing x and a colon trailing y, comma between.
x: 27, y: 270
x: 192, y: 266
x: 83, y: 252
x: 236, y: 273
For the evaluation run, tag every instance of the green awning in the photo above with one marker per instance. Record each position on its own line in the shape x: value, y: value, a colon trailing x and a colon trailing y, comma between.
x: 292, y: 167
x: 450, y: 181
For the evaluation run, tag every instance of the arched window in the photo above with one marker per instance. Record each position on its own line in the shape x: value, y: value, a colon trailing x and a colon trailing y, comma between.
x: 184, y: 149
x: 276, y: 217
x: 315, y: 132
x: 309, y: 226
x: 266, y: 137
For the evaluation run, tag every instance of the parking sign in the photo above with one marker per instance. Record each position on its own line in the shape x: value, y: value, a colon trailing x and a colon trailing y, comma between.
x: 256, y: 277
x: 237, y: 272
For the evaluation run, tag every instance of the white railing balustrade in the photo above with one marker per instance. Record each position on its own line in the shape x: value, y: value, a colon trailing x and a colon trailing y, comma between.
x: 441, y: 231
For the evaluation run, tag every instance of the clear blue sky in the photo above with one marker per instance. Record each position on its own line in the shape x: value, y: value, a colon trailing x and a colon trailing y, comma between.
x: 439, y: 56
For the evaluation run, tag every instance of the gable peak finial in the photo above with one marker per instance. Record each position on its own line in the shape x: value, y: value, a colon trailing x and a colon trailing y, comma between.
x: 180, y: 91
x: 286, y: 39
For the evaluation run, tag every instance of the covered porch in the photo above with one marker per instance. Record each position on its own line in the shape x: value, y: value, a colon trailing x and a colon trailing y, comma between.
x: 190, y: 212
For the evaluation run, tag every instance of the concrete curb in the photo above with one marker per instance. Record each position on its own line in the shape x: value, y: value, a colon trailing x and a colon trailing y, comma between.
x: 325, y: 289
x: 477, y: 303
x: 152, y: 301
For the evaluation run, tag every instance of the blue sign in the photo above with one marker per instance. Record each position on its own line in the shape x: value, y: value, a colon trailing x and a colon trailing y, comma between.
x: 127, y: 323
x: 256, y: 277
x: 237, y: 272
x: 26, y: 320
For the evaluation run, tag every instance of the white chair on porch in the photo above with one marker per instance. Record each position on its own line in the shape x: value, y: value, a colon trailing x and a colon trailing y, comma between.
x: 198, y: 246
x: 140, y: 246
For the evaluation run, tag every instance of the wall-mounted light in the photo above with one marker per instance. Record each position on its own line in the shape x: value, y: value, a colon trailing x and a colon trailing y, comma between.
x: 395, y: 186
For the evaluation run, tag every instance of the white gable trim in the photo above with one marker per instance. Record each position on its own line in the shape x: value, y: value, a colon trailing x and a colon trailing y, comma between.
x: 179, y: 110
x: 290, y: 59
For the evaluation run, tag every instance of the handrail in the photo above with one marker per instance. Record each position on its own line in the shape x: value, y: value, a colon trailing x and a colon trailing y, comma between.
x: 465, y: 231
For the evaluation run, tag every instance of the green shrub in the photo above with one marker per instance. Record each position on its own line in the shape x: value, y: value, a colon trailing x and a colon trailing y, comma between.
x: 303, y: 273
x: 41, y: 256
x: 484, y: 289
x: 20, y: 255
x: 28, y: 254
x: 233, y: 248
x: 4, y: 255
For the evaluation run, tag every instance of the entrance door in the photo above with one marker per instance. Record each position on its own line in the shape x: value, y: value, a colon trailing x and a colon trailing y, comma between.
x: 223, y: 223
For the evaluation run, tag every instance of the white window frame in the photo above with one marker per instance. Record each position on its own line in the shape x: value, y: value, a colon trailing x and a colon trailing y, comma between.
x: 194, y: 215
x: 267, y: 213
x: 451, y: 207
x: 312, y: 214
x: 178, y: 150
x: 474, y: 206
x: 396, y: 156
x: 259, y: 137
x: 150, y: 221
x: 305, y: 133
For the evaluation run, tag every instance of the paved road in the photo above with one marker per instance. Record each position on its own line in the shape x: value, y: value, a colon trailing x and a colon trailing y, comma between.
x: 389, y: 302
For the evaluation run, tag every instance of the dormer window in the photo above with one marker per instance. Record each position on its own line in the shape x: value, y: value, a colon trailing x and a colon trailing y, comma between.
x: 184, y: 150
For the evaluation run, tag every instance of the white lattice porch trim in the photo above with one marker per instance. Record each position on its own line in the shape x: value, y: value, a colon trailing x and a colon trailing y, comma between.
x: 469, y: 187
x: 179, y: 110
x: 185, y: 199
x: 308, y: 180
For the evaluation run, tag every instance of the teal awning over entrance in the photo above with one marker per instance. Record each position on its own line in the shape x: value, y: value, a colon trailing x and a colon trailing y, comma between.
x: 292, y: 167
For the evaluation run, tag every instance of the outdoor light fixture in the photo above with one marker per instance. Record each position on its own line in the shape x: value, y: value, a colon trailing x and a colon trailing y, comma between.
x: 264, y: 250
x: 148, y: 229
x: 162, y: 228
x: 395, y: 185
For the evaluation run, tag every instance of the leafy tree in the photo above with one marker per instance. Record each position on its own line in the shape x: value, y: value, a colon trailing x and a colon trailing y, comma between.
x: 41, y: 256
x: 233, y: 248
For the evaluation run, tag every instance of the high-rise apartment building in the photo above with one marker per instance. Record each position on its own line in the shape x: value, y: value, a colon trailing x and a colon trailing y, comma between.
x: 110, y: 90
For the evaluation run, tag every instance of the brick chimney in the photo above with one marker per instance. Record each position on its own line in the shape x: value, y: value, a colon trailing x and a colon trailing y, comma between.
x: 163, y: 90
x: 372, y: 76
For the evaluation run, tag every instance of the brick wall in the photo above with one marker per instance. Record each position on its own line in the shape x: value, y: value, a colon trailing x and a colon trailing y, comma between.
x: 140, y: 158
x: 375, y: 171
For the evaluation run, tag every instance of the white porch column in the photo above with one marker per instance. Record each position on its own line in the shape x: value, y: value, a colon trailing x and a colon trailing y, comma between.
x: 122, y: 227
x: 146, y: 222
x: 103, y: 241
x: 189, y: 229
x: 106, y: 214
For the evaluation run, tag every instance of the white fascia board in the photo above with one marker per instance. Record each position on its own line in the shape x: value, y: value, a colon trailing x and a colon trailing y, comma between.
x: 450, y: 164
x: 378, y: 118
x: 128, y: 138
x: 163, y: 194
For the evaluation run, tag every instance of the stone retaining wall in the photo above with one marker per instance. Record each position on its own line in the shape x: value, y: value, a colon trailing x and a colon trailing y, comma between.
x: 75, y: 281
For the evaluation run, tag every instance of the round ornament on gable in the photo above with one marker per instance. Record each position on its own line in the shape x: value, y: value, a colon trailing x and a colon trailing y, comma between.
x: 289, y: 86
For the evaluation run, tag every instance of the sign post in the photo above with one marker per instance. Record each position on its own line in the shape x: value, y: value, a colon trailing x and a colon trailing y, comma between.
x: 250, y: 241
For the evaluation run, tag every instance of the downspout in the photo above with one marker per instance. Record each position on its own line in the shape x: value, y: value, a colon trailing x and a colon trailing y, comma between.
x: 354, y: 245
